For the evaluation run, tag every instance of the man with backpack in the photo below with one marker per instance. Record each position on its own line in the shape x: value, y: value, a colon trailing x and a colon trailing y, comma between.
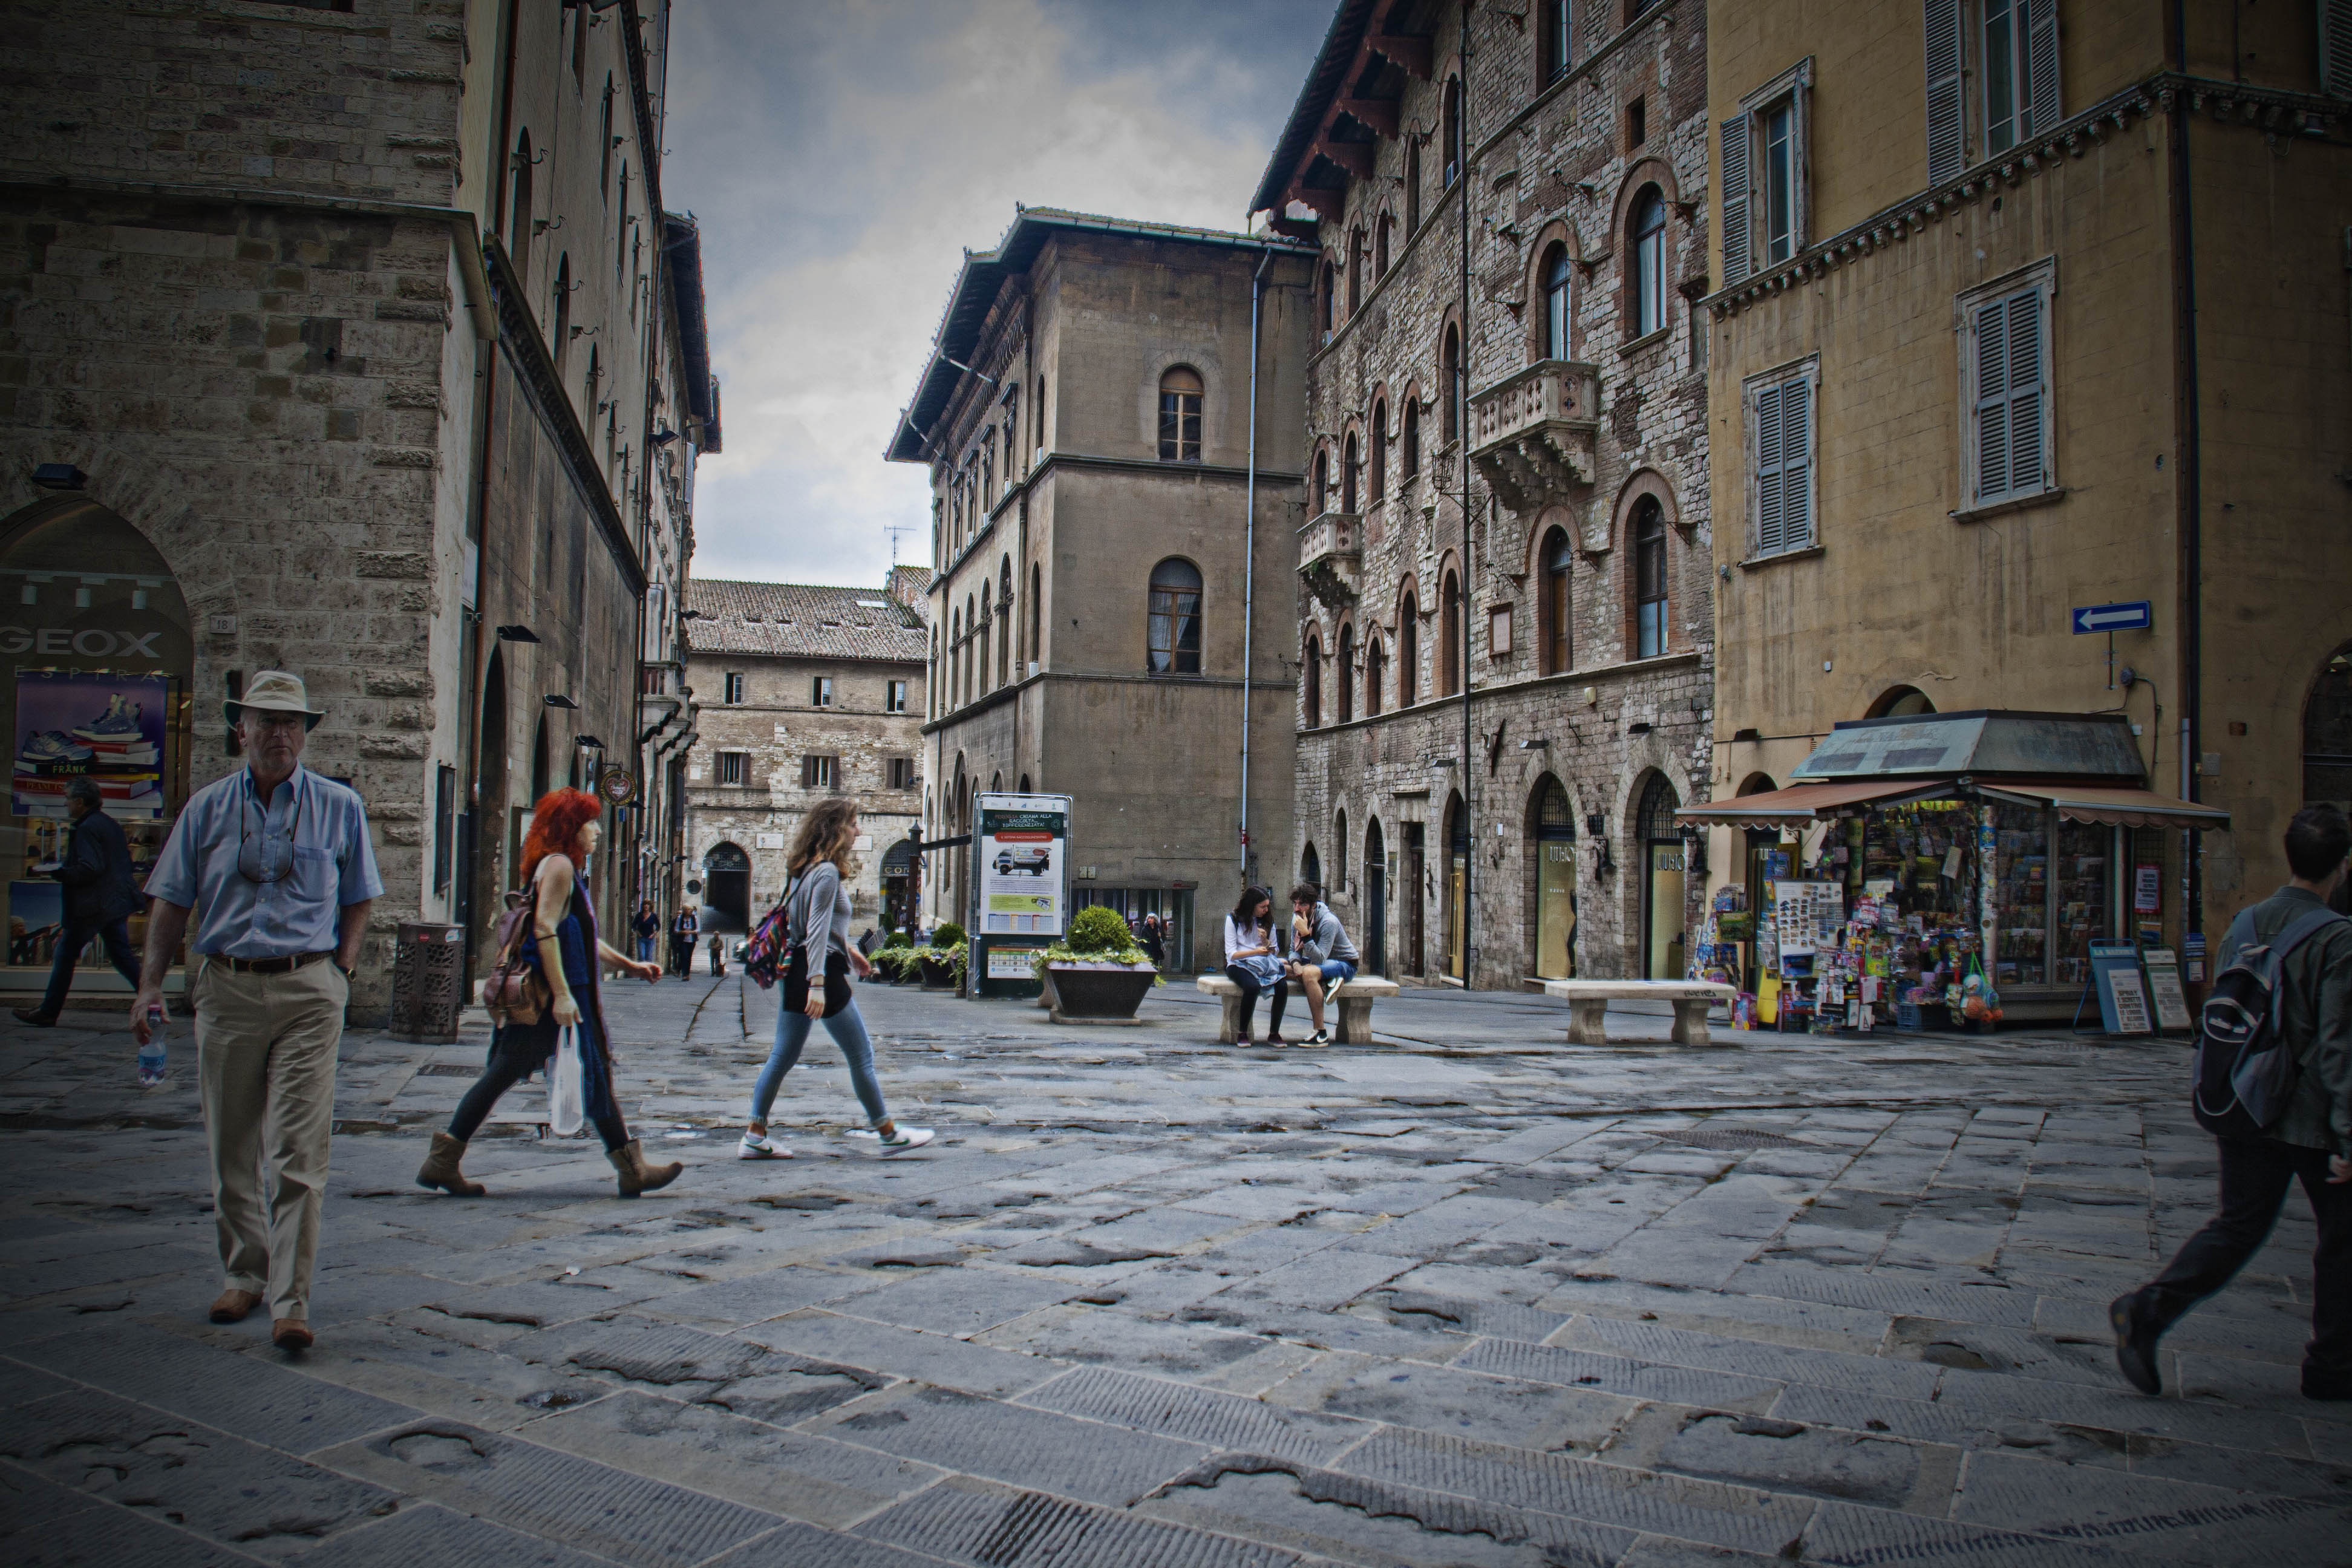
x: 2286, y: 982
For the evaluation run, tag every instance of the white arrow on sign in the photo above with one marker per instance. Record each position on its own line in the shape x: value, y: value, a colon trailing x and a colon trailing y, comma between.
x: 2133, y: 616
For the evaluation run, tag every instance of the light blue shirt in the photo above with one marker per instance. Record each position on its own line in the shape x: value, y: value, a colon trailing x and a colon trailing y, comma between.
x: 334, y: 865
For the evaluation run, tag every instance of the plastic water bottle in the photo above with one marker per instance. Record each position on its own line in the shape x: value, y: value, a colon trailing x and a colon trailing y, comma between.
x: 150, y: 1055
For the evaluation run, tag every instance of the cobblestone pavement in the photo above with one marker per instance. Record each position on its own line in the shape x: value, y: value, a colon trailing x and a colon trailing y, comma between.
x: 1467, y: 1297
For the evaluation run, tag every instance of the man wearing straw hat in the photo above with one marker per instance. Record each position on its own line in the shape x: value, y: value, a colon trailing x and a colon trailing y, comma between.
x: 273, y: 864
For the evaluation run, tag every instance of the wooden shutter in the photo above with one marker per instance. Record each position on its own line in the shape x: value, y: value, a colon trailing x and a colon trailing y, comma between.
x: 1737, y: 258
x: 2336, y: 47
x: 1797, y: 461
x: 1946, y: 143
x: 1771, y: 510
x: 1992, y: 400
x: 2041, y: 66
x: 2025, y: 391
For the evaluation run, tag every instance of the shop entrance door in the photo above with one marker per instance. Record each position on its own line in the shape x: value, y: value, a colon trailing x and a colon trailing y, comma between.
x: 1411, y: 883
x: 1457, y: 887
x: 1662, y: 882
x: 1555, y: 850
x: 726, y: 892
x: 1375, y: 947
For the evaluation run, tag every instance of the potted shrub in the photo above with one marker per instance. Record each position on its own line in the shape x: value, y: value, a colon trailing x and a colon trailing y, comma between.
x: 1097, y: 973
x: 941, y: 963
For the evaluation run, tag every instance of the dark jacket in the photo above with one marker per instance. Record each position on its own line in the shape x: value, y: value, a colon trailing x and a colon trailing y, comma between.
x: 2315, y: 1017
x: 95, y: 870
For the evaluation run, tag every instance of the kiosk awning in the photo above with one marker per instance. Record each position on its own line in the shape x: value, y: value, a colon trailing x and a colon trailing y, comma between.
x: 1801, y: 804
x: 2110, y: 806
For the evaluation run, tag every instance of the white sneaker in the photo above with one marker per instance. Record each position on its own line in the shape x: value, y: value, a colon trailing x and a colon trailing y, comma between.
x: 908, y: 1138
x: 1320, y: 1037
x: 758, y: 1146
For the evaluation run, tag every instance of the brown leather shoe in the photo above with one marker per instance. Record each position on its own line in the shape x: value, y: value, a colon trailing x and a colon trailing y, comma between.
x: 235, y: 1306
x: 443, y: 1168
x: 636, y: 1176
x: 291, y: 1334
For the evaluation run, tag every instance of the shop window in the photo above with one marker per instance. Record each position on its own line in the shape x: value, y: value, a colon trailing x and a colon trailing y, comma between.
x: 734, y: 767
x: 2005, y: 440
x: 1409, y: 651
x: 1649, y: 532
x: 1376, y: 482
x: 1646, y: 240
x: 1555, y: 868
x: 1373, y: 673
x: 1311, y: 683
x: 2327, y: 736
x: 733, y: 684
x: 1175, y: 618
x: 1411, y: 443
x: 1661, y: 840
x: 1556, y: 320
x: 1555, y: 609
x: 1180, y: 415
x: 2022, y: 896
x: 1765, y: 202
x: 1346, y: 674
x: 820, y: 773
x: 1781, y: 460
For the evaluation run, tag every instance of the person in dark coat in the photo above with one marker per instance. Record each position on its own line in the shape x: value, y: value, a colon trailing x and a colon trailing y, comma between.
x: 101, y: 898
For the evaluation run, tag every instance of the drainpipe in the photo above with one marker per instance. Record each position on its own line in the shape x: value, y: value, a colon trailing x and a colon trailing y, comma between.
x: 1460, y: 392
x: 1249, y: 556
x: 2192, y: 483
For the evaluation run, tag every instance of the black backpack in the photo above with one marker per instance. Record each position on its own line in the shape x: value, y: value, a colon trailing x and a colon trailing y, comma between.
x: 2245, y: 1071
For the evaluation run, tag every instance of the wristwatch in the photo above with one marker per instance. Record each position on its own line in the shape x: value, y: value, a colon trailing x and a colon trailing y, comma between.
x: 350, y: 973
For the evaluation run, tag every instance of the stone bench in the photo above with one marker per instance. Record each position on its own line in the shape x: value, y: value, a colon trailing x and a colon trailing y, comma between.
x: 1588, y: 1001
x: 1356, y: 999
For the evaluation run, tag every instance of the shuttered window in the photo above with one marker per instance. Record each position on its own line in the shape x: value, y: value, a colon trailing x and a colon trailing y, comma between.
x: 820, y: 773
x: 2336, y: 47
x: 1763, y: 174
x: 1781, y: 419
x: 2020, y: 71
x: 2007, y: 366
x: 1947, y: 137
x: 1738, y: 253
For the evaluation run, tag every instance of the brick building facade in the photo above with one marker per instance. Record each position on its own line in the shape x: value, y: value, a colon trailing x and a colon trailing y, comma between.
x: 804, y: 693
x: 351, y: 339
x: 1551, y: 368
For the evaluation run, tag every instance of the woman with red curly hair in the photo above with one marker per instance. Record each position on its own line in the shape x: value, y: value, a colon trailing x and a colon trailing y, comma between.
x: 564, y: 834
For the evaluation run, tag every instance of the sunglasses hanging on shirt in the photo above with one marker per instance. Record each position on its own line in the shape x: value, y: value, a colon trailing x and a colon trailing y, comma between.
x: 263, y: 856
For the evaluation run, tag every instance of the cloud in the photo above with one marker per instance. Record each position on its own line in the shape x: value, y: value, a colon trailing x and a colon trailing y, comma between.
x: 840, y: 156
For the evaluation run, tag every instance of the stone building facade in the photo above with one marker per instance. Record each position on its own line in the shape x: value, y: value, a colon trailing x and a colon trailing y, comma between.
x: 1111, y: 525
x: 804, y: 693
x: 351, y: 339
x: 2065, y: 286
x: 1494, y: 727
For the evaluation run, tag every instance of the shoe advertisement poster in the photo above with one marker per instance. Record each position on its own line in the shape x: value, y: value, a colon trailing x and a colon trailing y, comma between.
x: 109, y: 727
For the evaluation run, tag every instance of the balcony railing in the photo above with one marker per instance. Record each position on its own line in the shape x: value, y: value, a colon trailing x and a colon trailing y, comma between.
x: 1330, y: 549
x: 1533, y: 432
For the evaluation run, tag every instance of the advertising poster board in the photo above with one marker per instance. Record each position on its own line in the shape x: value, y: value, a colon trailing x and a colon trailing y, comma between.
x: 2163, y: 993
x: 107, y: 726
x: 2123, y: 1000
x: 1021, y: 880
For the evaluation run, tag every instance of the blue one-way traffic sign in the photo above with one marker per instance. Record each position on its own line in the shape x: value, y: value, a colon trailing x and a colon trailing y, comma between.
x: 2135, y: 616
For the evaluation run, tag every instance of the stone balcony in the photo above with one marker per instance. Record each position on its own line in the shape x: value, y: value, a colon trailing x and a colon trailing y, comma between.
x: 1533, y: 433
x: 1330, y: 550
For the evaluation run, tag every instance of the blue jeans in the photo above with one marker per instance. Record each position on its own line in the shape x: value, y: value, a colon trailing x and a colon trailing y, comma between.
x: 72, y: 937
x: 644, y: 950
x: 848, y: 1032
x: 1337, y: 969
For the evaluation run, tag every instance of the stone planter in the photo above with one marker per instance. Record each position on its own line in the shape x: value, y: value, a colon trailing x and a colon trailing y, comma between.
x: 1089, y: 992
x: 937, y: 976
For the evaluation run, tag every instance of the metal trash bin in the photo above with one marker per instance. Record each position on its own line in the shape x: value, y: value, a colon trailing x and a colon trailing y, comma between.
x: 428, y: 975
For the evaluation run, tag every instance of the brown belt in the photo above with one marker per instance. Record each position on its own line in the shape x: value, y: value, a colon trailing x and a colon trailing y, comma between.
x: 267, y: 965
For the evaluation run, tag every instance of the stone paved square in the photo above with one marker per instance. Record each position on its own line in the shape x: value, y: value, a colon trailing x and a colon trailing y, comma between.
x: 1466, y: 1296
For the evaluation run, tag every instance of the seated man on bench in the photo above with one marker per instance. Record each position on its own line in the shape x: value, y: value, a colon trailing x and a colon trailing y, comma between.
x: 1325, y: 959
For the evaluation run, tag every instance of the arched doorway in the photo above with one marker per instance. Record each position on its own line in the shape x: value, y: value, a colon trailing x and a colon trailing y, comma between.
x: 1310, y: 866
x: 898, y: 871
x: 499, y: 837
x: 96, y: 667
x: 1413, y: 881
x: 1376, y: 899
x: 2328, y: 735
x: 1457, y: 887
x: 1759, y: 847
x: 1553, y: 832
x: 1661, y: 841
x: 1900, y: 702
x: 726, y: 890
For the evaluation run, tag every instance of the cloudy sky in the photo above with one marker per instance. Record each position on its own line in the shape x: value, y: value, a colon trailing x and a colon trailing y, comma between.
x: 841, y: 154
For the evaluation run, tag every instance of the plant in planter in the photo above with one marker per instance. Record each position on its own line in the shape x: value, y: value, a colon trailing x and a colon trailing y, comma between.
x: 1097, y: 972
x: 943, y: 963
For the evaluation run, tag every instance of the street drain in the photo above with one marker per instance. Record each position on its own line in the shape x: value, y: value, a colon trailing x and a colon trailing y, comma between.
x: 1732, y: 1138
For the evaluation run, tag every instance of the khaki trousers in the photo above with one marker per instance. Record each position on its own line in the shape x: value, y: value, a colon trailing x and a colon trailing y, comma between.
x: 266, y: 1048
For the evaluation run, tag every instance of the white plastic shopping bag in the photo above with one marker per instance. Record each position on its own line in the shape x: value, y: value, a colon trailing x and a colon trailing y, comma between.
x: 565, y: 1115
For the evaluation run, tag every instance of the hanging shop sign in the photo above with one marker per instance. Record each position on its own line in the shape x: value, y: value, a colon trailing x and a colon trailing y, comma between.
x: 618, y: 785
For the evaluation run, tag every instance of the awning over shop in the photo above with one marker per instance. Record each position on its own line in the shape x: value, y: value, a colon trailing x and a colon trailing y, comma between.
x: 2109, y: 807
x: 1801, y: 804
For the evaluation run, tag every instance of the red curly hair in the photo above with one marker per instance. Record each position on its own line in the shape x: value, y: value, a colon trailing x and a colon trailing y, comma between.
x: 555, y: 825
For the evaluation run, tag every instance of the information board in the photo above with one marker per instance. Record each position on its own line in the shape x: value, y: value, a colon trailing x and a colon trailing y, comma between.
x: 2163, y: 993
x: 2123, y: 1000
x: 1020, y: 888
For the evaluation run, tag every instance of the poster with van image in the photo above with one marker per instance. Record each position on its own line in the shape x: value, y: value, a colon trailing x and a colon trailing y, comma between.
x: 107, y: 727
x: 1021, y: 846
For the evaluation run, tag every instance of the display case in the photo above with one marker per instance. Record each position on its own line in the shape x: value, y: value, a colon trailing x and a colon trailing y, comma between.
x: 2020, y: 895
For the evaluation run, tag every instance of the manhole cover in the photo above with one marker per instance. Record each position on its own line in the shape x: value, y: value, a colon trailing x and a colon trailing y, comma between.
x: 1732, y: 1138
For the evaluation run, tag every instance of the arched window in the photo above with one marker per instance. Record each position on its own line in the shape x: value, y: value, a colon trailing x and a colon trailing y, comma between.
x: 1449, y: 631
x: 1552, y: 41
x: 970, y: 637
x: 1180, y: 415
x: 605, y: 142
x: 1555, y: 856
x: 1556, y: 269
x: 1376, y: 485
x: 1310, y: 866
x: 1348, y: 467
x: 1452, y: 130
x: 1901, y: 702
x: 1649, y: 578
x: 1346, y: 674
x: 981, y: 628
x: 1408, y: 652
x: 518, y: 210
x: 1381, y: 241
x: 579, y: 49
x: 1175, y: 629
x: 1311, y: 682
x: 1662, y: 913
x: 1326, y: 300
x: 1646, y: 244
x: 932, y: 696
x: 1037, y: 415
x: 1411, y: 442
x: 1004, y: 671
x: 1411, y: 187
x: 1372, y: 676
x: 1450, y: 373
x: 1323, y: 480
x: 1558, y: 630
x: 595, y: 378
x: 1339, y: 848
x: 1354, y: 271
x: 1037, y: 642
x: 562, y: 346
x: 955, y: 656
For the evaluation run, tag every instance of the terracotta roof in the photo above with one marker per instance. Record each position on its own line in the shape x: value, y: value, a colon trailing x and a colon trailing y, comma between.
x: 802, y: 620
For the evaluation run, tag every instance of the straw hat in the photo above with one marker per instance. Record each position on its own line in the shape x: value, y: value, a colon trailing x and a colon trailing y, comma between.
x: 278, y: 691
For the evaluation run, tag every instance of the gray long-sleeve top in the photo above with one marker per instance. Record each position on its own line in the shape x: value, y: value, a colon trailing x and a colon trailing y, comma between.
x: 2315, y: 1017
x: 819, y: 897
x: 1328, y: 940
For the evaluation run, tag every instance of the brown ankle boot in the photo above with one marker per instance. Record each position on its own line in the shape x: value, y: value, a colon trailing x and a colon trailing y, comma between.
x: 441, y: 1168
x: 636, y: 1176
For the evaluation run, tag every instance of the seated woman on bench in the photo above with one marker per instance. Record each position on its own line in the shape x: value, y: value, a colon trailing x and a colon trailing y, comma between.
x: 1252, y: 964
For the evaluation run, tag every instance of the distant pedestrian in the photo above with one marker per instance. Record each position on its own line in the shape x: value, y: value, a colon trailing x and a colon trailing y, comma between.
x: 94, y: 863
x: 274, y: 865
x: 647, y: 926
x: 1325, y: 959
x: 1253, y: 963
x: 2311, y: 1143
x: 1155, y: 940
x: 718, y: 956
x: 563, y: 835
x: 818, y: 959
x: 682, y: 932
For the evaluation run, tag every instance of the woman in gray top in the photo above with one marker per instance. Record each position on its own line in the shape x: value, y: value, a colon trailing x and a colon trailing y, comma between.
x: 818, y: 959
